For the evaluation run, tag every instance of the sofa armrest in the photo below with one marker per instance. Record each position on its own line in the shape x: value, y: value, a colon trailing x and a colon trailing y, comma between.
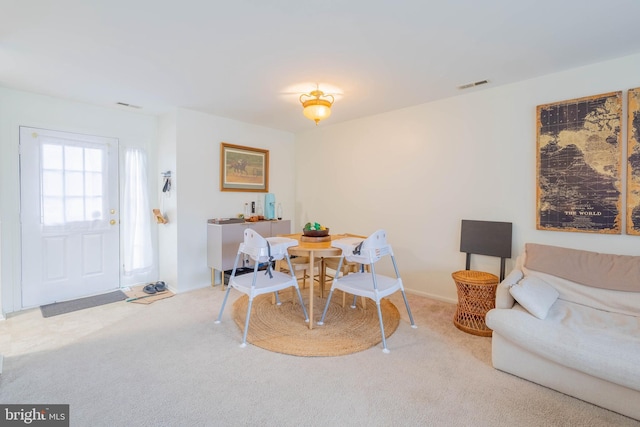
x: 504, y: 299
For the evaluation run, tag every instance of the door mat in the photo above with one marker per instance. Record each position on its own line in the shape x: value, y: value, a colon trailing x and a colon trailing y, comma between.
x: 63, y: 307
x: 139, y: 296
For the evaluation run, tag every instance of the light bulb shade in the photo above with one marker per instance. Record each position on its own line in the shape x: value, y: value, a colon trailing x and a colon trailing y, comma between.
x: 317, y: 110
x: 316, y: 105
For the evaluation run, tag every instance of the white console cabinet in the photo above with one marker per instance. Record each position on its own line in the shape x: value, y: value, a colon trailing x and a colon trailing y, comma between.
x: 223, y: 241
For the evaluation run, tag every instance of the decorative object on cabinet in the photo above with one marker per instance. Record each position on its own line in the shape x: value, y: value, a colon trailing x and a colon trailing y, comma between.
x: 579, y: 154
x: 269, y: 206
x: 243, y: 168
x: 225, y: 220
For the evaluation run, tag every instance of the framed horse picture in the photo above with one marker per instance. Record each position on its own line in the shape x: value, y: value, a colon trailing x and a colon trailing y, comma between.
x: 243, y: 168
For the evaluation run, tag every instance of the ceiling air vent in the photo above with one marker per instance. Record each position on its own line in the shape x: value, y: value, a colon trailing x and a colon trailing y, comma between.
x: 124, y: 104
x: 474, y: 84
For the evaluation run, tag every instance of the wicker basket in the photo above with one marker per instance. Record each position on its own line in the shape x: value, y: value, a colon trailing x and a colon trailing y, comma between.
x: 476, y: 296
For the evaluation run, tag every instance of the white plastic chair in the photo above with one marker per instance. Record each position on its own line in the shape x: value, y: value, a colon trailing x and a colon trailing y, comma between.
x: 331, y: 263
x: 368, y: 284
x: 262, y: 250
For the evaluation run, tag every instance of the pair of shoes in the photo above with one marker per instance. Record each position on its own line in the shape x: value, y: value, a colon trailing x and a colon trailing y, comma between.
x: 153, y: 288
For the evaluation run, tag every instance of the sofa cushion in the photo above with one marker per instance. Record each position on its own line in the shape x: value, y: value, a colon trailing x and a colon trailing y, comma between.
x: 605, y: 345
x: 608, y: 271
x: 601, y: 299
x: 535, y: 295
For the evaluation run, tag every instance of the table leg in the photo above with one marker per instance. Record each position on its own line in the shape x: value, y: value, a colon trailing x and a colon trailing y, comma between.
x: 321, y: 278
x: 311, y: 266
x: 276, y: 267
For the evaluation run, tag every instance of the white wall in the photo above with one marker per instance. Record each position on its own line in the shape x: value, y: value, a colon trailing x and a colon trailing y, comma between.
x: 19, y: 108
x: 417, y: 172
x: 196, y: 179
x: 168, y: 204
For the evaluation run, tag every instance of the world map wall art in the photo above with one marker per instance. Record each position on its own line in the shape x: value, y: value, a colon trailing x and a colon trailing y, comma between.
x: 579, y: 155
x: 633, y: 163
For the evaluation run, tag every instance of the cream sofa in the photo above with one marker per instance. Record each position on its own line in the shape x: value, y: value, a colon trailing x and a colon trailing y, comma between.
x: 570, y: 320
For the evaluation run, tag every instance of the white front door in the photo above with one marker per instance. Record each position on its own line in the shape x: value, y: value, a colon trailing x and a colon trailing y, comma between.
x: 69, y: 215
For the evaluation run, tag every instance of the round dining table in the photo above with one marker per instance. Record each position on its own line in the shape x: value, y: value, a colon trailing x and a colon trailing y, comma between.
x: 314, y: 250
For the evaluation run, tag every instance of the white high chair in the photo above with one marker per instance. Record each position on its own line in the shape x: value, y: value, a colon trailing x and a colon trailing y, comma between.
x: 368, y: 284
x: 262, y: 250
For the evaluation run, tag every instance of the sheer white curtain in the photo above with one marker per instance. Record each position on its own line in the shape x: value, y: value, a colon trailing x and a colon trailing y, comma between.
x: 136, y: 218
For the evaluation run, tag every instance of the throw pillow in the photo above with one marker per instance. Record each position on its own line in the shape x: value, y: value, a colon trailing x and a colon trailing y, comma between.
x: 503, y: 297
x: 535, y: 295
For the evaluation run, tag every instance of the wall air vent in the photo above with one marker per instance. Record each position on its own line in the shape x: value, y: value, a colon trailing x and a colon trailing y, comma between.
x: 124, y: 104
x: 474, y: 84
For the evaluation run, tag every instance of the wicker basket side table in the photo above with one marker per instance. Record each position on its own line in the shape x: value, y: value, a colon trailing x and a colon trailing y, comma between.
x: 476, y: 296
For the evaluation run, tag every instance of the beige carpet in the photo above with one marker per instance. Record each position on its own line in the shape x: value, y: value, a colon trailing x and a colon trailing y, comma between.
x: 281, y: 328
x: 169, y: 364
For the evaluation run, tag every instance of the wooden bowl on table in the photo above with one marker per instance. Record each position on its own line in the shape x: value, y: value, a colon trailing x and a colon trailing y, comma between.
x: 316, y: 233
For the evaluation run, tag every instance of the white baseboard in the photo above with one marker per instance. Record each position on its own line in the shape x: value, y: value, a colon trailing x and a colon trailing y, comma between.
x: 432, y: 296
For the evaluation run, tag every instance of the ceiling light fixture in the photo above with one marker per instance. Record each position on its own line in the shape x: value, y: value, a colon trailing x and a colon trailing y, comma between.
x: 316, y: 105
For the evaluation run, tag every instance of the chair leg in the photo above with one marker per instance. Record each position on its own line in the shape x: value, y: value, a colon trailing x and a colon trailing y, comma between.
x: 406, y: 303
x: 304, y: 285
x: 246, y: 323
x: 326, y: 307
x: 304, y: 309
x: 224, y: 302
x: 384, y: 340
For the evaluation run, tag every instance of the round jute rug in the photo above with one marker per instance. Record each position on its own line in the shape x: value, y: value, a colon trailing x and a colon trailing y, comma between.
x: 281, y: 328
